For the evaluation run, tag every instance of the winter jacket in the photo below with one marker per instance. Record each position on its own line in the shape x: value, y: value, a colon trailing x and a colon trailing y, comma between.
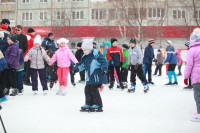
x: 159, y: 59
x: 193, y: 63
x: 171, y: 55
x: 135, y: 55
x: 30, y: 42
x: 49, y: 43
x: 148, y: 55
x: 179, y: 60
x: 63, y: 56
x: 79, y: 54
x: 114, y: 55
x: 21, y: 60
x: 38, y: 56
x: 3, y: 63
x: 108, y: 43
x: 23, y: 42
x: 94, y: 63
x: 12, y: 55
x: 3, y: 40
x: 126, y: 62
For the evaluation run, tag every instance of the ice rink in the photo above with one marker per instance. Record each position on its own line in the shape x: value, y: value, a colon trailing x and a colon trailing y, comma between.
x: 162, y: 110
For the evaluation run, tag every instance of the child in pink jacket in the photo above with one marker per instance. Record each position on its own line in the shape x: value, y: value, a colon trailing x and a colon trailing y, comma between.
x: 193, y: 69
x: 63, y: 56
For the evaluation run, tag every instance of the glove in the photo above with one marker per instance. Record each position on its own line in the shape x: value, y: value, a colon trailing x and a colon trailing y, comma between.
x: 136, y: 66
x: 104, y: 72
x: 129, y: 67
x: 74, y: 71
x: 186, y: 81
x: 121, y: 64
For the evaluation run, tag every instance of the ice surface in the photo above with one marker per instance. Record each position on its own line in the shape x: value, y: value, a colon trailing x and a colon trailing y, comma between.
x: 161, y: 110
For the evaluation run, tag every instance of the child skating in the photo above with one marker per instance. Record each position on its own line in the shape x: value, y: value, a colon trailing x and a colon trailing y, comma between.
x: 96, y: 68
x: 38, y: 55
x: 135, y: 64
x: 63, y: 56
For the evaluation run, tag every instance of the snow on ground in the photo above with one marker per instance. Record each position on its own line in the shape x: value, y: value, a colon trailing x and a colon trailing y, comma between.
x: 162, y: 110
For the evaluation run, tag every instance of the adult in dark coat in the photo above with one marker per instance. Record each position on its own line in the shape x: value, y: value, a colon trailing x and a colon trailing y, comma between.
x: 49, y: 41
x: 147, y: 60
x: 23, y: 41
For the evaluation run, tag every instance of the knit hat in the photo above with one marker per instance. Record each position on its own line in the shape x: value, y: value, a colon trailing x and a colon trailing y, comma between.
x: 62, y: 40
x: 87, y: 44
x: 187, y: 43
x: 169, y: 42
x: 4, y: 21
x: 30, y: 30
x: 159, y: 50
x: 50, y: 34
x: 37, y: 39
x: 133, y: 40
x: 79, y: 44
x: 195, y: 36
x: 125, y: 46
x: 13, y: 37
x: 113, y: 40
x: 151, y: 41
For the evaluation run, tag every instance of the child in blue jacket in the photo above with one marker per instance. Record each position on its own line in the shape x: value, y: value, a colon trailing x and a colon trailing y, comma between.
x: 96, y: 68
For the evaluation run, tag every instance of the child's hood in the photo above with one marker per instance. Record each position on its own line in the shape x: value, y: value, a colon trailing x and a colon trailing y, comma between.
x: 108, y: 43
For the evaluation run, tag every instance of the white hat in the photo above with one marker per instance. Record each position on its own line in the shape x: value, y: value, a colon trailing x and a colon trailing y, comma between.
x: 87, y: 44
x: 62, y: 40
x: 38, y: 40
x: 195, y: 36
x: 169, y: 42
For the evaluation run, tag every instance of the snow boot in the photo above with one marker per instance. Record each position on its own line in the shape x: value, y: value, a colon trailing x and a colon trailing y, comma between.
x: 85, y: 108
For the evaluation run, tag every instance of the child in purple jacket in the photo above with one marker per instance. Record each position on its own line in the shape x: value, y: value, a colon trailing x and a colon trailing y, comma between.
x: 12, y: 57
x: 193, y: 69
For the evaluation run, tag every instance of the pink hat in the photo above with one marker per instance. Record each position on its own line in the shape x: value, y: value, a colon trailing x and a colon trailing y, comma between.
x: 62, y: 40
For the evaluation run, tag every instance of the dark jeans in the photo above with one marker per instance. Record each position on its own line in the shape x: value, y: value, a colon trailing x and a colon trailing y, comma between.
x: 124, y: 74
x: 139, y: 73
x: 158, y: 68
x: 28, y: 72
x: 111, y: 72
x: 82, y: 75
x: 10, y: 78
x: 92, y: 95
x: 20, y: 80
x: 72, y: 77
x: 34, y: 78
x: 147, y: 68
x: 1, y: 86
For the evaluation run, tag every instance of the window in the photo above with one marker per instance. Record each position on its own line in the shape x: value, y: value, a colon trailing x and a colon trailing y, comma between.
x: 133, y: 13
x: 77, y: 15
x: 25, y: 1
x: 5, y: 1
x: 178, y: 14
x: 77, y: 0
x: 98, y: 14
x: 61, y: 0
x: 43, y: 15
x: 197, y: 14
x: 156, y: 12
x: 8, y: 15
x: 27, y: 16
x: 43, y: 1
x: 60, y: 15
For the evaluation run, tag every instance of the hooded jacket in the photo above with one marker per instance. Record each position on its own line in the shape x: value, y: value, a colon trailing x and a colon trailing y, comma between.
x: 193, y: 63
x: 3, y: 40
x: 148, y: 55
x: 126, y: 61
x: 135, y: 55
x: 171, y: 55
x: 49, y: 43
x: 3, y: 63
x: 12, y: 55
x: 63, y: 56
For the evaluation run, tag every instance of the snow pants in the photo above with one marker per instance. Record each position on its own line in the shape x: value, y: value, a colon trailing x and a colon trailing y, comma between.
x: 62, y: 75
x: 92, y: 95
x: 139, y: 73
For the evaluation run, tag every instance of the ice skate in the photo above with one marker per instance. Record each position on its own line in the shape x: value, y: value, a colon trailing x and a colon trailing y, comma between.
x: 146, y: 88
x: 73, y: 84
x: 118, y: 85
x: 125, y: 85
x: 170, y: 83
x: 195, y: 117
x: 35, y: 92
x: 95, y: 108
x: 14, y: 92
x: 58, y: 92
x: 111, y: 85
x: 122, y: 86
x: 20, y: 92
x: 81, y: 81
x: 188, y: 87
x: 85, y: 108
x: 45, y: 92
x: 3, y: 99
x: 175, y: 83
x: 151, y: 83
x: 51, y: 84
x: 64, y: 91
x: 132, y: 89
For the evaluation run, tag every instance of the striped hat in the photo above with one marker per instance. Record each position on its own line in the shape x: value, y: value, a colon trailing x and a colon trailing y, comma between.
x: 151, y: 41
x: 187, y: 43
